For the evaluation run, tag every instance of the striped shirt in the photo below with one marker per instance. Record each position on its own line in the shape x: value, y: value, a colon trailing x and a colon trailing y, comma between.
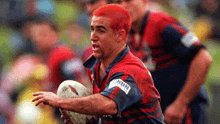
x: 128, y: 82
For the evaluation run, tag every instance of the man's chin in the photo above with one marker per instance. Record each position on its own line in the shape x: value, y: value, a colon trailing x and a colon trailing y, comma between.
x: 98, y: 56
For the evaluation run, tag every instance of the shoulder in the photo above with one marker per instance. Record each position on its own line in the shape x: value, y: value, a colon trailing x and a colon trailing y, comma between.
x: 161, y: 18
x: 130, y: 64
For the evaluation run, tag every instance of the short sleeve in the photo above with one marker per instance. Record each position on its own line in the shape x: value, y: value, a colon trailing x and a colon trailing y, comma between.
x: 123, y: 89
x: 178, y: 40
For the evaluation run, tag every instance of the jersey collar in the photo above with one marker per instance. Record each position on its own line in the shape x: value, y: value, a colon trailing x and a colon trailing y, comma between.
x: 92, y: 61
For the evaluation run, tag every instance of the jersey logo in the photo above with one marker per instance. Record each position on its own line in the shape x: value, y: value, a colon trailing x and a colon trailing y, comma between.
x: 121, y: 84
x: 189, y: 39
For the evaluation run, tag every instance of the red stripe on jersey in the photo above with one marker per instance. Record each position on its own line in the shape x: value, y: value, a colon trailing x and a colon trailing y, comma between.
x: 188, y: 116
x: 166, y: 64
x: 155, y: 116
x: 146, y: 110
x: 146, y: 116
x: 181, y: 30
x: 149, y: 110
x: 156, y: 51
x: 115, y: 92
x: 124, y: 77
x: 162, y: 58
x: 111, y: 122
x: 133, y: 111
x: 68, y: 117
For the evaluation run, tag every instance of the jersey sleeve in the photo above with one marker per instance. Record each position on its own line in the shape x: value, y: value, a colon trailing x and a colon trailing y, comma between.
x: 180, y: 41
x: 123, y: 90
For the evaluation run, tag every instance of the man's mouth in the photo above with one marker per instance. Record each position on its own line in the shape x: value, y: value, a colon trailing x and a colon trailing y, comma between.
x: 95, y: 47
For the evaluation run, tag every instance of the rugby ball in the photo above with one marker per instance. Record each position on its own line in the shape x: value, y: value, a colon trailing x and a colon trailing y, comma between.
x: 70, y: 89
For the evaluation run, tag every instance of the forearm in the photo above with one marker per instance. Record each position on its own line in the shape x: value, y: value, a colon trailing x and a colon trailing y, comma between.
x: 196, y: 77
x: 96, y: 104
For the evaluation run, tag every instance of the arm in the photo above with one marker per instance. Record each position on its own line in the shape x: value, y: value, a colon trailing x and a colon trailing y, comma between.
x: 198, y: 70
x: 96, y: 104
x: 196, y: 77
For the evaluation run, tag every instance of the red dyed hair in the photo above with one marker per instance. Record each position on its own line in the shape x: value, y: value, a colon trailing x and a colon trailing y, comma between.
x: 119, y: 16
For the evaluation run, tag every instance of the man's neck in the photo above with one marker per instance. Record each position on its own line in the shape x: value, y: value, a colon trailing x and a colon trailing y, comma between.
x: 137, y: 24
x: 106, y: 62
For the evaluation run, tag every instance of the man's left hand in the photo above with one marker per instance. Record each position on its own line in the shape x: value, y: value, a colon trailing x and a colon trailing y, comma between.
x: 48, y: 98
x: 174, y: 113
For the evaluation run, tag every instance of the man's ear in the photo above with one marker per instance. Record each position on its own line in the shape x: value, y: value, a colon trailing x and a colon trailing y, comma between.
x: 121, y: 35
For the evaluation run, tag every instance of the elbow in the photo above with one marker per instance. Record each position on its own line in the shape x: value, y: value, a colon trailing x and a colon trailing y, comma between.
x: 208, y: 61
x: 205, y: 58
x: 109, y: 108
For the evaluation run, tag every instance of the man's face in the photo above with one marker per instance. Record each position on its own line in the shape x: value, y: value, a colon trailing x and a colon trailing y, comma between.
x: 90, y: 8
x: 43, y: 36
x: 134, y: 7
x: 103, y: 38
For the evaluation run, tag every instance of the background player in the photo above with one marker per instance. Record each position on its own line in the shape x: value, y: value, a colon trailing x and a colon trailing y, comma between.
x: 62, y: 62
x: 118, y: 92
x: 177, y: 60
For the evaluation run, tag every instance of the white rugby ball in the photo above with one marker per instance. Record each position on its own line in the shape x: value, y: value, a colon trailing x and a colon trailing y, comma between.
x: 69, y: 89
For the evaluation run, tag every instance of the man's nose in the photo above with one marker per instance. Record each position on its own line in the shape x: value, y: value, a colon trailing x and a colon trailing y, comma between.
x: 93, y: 36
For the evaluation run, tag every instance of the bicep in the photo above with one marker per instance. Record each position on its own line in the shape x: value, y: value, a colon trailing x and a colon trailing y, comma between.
x: 202, y: 59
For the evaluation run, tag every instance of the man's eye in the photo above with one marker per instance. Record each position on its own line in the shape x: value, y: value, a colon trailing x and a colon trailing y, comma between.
x: 101, y: 31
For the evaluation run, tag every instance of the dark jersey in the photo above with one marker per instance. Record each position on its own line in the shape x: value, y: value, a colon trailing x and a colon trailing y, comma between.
x: 167, y: 48
x: 130, y: 85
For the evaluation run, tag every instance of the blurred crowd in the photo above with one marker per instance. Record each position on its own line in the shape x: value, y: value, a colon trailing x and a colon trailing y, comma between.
x: 23, y: 65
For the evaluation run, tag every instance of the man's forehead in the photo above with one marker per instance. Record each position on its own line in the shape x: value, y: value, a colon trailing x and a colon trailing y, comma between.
x: 100, y: 20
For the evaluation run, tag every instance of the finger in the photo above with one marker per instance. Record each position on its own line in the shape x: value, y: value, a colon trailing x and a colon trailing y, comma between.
x: 66, y: 121
x: 62, y: 116
x: 36, y: 98
x: 61, y: 110
x: 41, y: 101
x: 38, y: 93
x: 62, y: 113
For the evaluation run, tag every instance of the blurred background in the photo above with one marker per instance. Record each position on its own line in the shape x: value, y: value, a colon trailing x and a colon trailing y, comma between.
x: 21, y: 67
